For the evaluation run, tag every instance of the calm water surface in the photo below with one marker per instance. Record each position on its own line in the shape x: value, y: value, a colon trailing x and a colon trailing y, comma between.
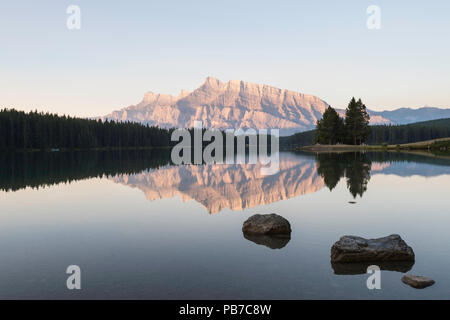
x: 139, y: 227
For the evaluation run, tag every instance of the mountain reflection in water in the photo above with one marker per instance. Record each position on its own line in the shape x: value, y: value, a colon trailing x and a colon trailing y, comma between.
x: 236, y: 186
x: 216, y: 186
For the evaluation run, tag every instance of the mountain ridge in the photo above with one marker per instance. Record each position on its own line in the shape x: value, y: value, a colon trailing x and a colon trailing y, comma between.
x: 240, y: 104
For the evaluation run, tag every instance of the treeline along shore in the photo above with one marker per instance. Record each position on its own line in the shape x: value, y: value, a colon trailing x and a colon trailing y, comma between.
x: 37, y: 130
x: 45, y: 131
x: 419, y: 135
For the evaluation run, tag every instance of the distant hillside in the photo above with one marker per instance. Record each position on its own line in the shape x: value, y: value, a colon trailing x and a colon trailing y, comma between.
x: 408, y: 115
x: 390, y: 134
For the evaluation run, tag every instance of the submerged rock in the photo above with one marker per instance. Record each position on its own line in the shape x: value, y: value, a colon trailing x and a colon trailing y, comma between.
x: 418, y: 282
x: 272, y: 242
x: 357, y: 249
x: 267, y: 224
x: 347, y: 268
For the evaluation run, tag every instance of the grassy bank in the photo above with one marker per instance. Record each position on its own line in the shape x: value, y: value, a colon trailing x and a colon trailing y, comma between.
x: 442, y: 144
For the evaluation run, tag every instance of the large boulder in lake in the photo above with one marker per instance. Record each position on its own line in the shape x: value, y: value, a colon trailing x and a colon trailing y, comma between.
x: 357, y: 249
x: 267, y: 224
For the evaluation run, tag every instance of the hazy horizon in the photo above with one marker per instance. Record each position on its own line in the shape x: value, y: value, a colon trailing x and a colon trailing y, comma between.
x: 124, y: 50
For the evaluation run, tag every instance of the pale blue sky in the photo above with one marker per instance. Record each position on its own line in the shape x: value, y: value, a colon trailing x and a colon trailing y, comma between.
x: 128, y: 48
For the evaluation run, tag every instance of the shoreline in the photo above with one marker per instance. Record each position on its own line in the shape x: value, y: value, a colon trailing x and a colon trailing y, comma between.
x: 428, y: 145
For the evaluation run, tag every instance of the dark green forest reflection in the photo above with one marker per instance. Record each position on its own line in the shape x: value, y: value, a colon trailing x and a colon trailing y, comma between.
x: 19, y: 170
x: 354, y: 166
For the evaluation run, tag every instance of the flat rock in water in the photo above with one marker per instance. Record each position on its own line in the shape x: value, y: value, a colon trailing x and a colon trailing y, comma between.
x: 418, y: 282
x: 357, y: 249
x: 267, y: 224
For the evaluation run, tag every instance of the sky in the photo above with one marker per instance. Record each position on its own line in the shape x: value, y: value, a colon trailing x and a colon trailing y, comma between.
x: 124, y: 49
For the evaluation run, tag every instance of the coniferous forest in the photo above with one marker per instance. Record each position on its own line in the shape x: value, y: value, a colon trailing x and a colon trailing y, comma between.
x: 384, y: 134
x: 419, y: 131
x: 46, y: 131
x: 354, y: 129
x: 37, y: 130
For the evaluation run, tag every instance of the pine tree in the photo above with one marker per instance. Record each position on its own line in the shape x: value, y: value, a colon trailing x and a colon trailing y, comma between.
x: 330, y: 129
x: 364, y: 119
x: 351, y: 122
x: 357, y: 122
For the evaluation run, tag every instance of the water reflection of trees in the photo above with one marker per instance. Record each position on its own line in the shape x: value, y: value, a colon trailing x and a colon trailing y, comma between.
x: 354, y: 166
x: 39, y: 169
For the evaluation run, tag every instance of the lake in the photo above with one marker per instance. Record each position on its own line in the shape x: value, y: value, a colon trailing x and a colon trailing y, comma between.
x: 141, y: 228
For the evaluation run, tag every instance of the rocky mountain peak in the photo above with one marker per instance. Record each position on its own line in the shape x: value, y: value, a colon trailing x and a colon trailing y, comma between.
x: 239, y: 104
x: 157, y: 98
x: 212, y: 82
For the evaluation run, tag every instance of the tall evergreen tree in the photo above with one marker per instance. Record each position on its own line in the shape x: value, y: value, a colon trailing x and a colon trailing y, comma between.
x: 330, y: 129
x: 365, y: 119
x: 357, y: 122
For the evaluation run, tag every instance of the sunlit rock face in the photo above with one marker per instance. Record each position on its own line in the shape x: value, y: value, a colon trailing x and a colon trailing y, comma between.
x: 234, y: 104
x: 235, y: 187
x: 239, y: 104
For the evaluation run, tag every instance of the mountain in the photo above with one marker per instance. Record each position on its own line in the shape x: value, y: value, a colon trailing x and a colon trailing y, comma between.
x: 234, y: 104
x: 408, y: 115
x: 239, y: 104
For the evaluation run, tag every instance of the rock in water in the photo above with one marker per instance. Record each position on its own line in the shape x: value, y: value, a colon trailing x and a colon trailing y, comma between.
x: 267, y: 224
x: 417, y: 282
x: 357, y: 249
